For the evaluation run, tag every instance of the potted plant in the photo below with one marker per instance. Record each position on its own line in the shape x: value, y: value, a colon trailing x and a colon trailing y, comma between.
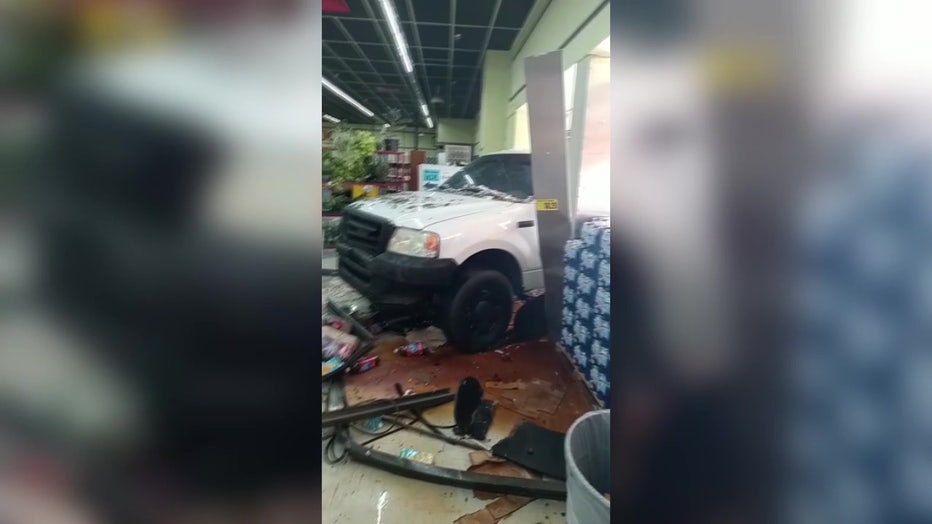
x: 350, y: 161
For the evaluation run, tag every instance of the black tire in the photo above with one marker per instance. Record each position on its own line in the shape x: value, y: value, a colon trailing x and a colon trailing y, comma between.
x: 479, y: 311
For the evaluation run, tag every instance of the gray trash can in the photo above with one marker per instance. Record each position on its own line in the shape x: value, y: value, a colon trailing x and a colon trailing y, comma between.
x: 588, y: 469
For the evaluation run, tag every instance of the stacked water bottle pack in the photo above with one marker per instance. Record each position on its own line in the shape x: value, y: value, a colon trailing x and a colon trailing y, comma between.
x: 861, y: 434
x: 586, y: 304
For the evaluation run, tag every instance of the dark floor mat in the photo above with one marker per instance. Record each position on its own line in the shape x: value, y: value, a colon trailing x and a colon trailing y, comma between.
x: 536, y: 448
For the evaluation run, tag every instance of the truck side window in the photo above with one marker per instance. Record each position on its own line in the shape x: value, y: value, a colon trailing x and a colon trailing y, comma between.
x: 518, y: 168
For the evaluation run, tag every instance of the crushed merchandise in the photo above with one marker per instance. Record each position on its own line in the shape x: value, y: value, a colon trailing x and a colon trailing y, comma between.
x: 365, y: 364
x: 415, y: 349
x: 330, y: 366
x: 431, y: 337
x: 336, y: 343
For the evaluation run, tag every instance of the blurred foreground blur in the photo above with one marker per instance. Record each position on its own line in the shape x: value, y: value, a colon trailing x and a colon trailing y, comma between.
x: 159, y: 259
x: 771, y: 175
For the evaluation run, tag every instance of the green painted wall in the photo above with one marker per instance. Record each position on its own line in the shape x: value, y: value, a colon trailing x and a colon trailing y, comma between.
x: 456, y: 131
x: 494, y: 103
x: 561, y: 19
x: 581, y: 24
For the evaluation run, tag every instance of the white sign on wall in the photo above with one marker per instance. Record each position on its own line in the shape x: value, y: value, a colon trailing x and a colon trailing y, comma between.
x: 458, y: 154
x: 432, y: 175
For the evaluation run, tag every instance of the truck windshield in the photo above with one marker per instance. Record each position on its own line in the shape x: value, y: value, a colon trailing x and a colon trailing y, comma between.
x: 507, y: 177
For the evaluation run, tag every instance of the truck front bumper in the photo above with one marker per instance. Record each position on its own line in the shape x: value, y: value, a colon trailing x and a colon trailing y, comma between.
x: 390, y: 279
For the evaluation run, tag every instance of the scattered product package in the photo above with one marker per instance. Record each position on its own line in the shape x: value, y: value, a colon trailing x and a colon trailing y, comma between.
x: 330, y: 366
x: 417, y: 456
x: 373, y: 424
x: 415, y: 349
x: 365, y: 364
x: 336, y: 343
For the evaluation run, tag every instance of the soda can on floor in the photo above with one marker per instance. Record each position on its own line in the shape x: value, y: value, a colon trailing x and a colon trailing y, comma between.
x: 415, y: 349
x: 365, y: 364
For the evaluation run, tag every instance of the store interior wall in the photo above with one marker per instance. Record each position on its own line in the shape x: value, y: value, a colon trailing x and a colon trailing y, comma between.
x: 575, y: 27
x: 582, y: 27
x: 494, y: 102
x: 426, y: 139
x: 456, y: 131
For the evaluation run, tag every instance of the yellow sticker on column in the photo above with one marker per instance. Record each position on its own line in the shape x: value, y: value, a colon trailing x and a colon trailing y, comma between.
x: 549, y: 204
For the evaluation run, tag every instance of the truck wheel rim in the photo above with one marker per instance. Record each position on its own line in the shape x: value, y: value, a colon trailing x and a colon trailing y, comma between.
x: 484, y: 316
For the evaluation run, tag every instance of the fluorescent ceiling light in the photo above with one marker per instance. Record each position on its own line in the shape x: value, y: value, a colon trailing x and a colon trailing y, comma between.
x: 425, y: 110
x: 339, y: 92
x: 430, y: 123
x: 331, y: 119
x: 388, y: 9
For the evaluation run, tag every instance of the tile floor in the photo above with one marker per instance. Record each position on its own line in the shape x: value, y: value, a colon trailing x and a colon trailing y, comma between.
x: 353, y: 493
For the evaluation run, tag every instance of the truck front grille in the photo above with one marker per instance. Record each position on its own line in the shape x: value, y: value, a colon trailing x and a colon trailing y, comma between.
x: 365, y: 232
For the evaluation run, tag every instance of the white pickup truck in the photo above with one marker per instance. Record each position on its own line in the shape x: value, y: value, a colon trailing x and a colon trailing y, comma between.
x: 462, y: 251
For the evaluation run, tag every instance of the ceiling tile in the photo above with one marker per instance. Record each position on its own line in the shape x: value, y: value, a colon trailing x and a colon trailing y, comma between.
x: 513, y: 13
x: 465, y: 58
x: 379, y: 52
x: 469, y: 38
x: 362, y: 31
x: 385, y: 67
x: 432, y: 10
x: 475, y: 12
x: 438, y: 71
x: 432, y: 55
x: 434, y: 35
x: 330, y: 31
x: 502, y: 39
x: 331, y: 65
x: 343, y: 50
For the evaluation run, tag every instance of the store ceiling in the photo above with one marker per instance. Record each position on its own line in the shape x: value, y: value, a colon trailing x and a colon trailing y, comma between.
x: 447, y: 40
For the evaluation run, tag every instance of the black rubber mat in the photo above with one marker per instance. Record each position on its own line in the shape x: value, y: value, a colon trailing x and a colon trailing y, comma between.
x: 537, y: 449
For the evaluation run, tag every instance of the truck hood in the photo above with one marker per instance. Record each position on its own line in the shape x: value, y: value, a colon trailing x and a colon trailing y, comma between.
x: 419, y: 209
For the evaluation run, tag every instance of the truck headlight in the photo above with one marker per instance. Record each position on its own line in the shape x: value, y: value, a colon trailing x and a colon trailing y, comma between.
x: 415, y: 243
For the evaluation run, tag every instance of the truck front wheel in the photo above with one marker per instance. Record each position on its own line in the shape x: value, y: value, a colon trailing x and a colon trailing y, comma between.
x: 479, y: 311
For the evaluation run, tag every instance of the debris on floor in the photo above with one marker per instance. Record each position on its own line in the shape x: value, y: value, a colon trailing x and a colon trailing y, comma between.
x: 517, y: 384
x: 330, y: 365
x: 432, y: 337
x: 414, y: 349
x: 536, y: 448
x: 417, y: 456
x: 337, y: 343
x: 495, y: 511
x: 477, y: 458
x: 530, y: 398
x: 501, y: 468
x: 365, y: 364
x: 537, y: 383
x: 483, y: 516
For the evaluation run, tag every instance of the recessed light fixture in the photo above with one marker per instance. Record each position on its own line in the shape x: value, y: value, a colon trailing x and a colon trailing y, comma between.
x: 333, y: 119
x: 430, y: 123
x: 425, y: 110
x: 339, y: 92
x: 388, y: 9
